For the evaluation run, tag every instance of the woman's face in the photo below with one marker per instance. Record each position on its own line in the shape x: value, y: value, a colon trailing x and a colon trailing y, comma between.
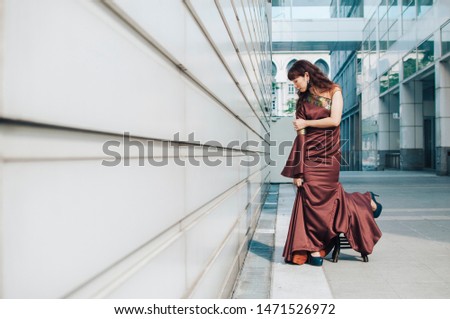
x: 301, y: 82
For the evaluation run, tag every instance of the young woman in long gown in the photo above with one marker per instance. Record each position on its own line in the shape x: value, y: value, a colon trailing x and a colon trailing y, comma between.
x: 322, y: 209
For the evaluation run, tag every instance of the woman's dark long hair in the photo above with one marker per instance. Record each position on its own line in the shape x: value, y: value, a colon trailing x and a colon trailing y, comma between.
x: 317, y: 79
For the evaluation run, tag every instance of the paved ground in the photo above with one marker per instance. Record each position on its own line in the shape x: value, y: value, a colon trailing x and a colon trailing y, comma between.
x: 411, y: 260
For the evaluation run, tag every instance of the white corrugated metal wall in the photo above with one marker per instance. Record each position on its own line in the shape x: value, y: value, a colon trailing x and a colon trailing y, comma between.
x: 76, y: 74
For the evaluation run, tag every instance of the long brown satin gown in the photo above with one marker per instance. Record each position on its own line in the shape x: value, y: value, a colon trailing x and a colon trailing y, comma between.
x: 322, y: 209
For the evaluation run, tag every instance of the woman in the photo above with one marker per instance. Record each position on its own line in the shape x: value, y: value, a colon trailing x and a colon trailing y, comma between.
x: 322, y: 209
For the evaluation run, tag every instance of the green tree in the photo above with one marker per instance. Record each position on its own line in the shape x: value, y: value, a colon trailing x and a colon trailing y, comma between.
x: 291, y: 106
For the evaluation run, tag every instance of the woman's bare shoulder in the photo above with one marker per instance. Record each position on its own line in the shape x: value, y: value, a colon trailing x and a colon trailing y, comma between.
x: 334, y: 89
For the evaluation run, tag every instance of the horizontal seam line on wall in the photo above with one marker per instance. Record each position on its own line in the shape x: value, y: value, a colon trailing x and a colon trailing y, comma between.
x: 11, y: 122
x: 80, y: 159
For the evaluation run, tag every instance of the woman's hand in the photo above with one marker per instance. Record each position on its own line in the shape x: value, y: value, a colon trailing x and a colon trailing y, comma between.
x: 299, y: 124
x: 298, y: 182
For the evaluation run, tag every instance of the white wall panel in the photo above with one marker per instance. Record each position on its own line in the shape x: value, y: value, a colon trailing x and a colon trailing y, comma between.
x: 206, y: 66
x: 26, y: 143
x: 211, y: 283
x: 197, y: 51
x: 215, y: 124
x: 64, y: 222
x: 256, y: 142
x: 205, y: 182
x: 209, y: 15
x: 78, y: 74
x: 242, y: 197
x: 206, y: 236
x: 236, y: 32
x: 78, y: 69
x: 154, y: 19
x: 246, y: 34
x: 162, y: 277
x: 248, y: 13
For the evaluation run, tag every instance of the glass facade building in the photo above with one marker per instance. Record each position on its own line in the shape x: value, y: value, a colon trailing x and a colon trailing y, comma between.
x: 395, y: 78
x: 403, y: 94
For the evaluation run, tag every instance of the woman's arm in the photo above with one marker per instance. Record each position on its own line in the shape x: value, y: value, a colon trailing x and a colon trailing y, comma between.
x: 332, y: 121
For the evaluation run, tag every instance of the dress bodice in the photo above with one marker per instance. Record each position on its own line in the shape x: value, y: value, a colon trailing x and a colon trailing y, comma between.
x: 316, y: 106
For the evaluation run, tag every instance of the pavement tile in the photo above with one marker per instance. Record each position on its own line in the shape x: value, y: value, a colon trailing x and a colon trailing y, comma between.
x: 422, y: 290
x: 352, y: 289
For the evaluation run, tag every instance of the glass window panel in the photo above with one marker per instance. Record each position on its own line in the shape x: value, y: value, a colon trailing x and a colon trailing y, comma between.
x: 393, y: 33
x: 365, y: 70
x: 334, y: 9
x: 409, y: 9
x: 365, y: 46
x: 373, y: 41
x: 373, y: 65
x: 383, y: 25
x: 425, y: 53
x: 303, y: 9
x: 371, y: 25
x: 366, y: 31
x: 323, y: 66
x: 359, y: 75
x: 290, y: 64
x: 384, y: 82
x: 382, y: 9
x: 281, y: 13
x: 370, y: 8
x: 351, y: 8
x: 409, y: 64
x: 393, y: 76
x: 291, y: 89
x: 393, y: 12
x: 408, y: 15
x: 383, y: 42
x: 423, y: 6
x: 407, y: 3
x: 445, y: 36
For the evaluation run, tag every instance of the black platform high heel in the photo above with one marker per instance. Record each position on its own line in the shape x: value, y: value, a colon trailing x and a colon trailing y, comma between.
x: 345, y: 244
x: 377, y: 212
x: 336, y: 250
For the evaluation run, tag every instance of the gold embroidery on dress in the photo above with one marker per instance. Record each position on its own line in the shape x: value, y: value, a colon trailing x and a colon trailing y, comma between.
x: 318, y: 100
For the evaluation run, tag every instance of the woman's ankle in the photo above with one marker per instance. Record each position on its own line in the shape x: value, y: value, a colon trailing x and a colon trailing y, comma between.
x: 373, y: 205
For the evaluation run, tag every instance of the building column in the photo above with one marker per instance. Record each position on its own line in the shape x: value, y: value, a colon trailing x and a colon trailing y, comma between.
x: 442, y: 73
x: 388, y: 132
x: 383, y: 131
x: 411, y: 126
